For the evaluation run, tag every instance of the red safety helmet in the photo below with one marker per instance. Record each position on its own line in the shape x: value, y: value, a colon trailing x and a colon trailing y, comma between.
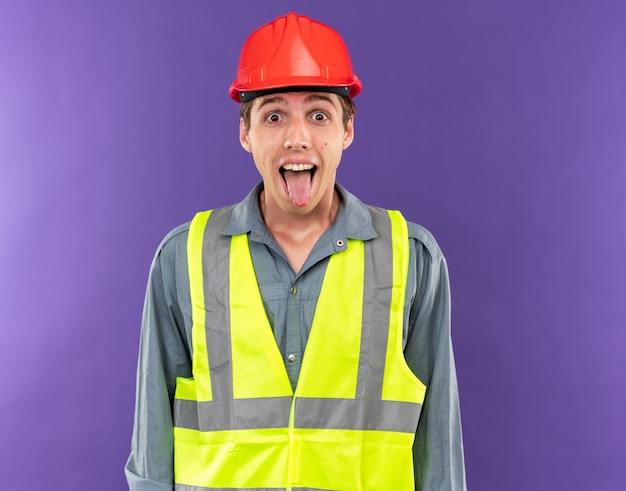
x: 294, y: 51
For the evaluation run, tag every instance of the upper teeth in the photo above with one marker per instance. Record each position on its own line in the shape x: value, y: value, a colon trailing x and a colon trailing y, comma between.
x: 297, y: 167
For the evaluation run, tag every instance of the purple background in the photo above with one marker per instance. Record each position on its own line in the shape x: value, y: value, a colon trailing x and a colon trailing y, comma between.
x: 499, y: 125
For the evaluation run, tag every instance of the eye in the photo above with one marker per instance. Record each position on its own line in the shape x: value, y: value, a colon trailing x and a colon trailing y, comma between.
x: 319, y: 116
x: 273, y: 118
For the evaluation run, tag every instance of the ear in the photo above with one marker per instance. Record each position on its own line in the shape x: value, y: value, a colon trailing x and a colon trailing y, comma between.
x: 348, y: 136
x: 244, y: 139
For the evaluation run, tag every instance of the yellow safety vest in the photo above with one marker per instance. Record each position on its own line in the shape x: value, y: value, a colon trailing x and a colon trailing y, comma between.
x: 351, y: 422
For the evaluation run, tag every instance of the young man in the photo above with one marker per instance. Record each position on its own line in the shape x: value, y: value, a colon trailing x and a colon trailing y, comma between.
x: 299, y: 339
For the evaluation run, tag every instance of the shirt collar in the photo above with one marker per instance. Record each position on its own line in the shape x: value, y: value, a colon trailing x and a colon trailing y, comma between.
x: 353, y: 220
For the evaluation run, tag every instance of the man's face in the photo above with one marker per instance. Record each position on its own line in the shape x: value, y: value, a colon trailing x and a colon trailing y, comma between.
x: 296, y: 140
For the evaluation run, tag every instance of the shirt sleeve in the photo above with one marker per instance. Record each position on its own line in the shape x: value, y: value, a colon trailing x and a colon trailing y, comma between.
x: 163, y: 356
x: 438, y: 447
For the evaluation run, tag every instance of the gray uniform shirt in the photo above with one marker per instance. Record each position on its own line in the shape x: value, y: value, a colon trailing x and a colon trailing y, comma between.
x: 290, y: 300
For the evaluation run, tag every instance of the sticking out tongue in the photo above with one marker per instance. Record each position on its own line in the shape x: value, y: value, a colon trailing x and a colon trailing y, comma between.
x: 298, y: 186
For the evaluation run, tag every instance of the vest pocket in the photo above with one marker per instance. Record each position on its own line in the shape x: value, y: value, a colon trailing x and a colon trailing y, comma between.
x: 246, y: 459
x: 185, y: 389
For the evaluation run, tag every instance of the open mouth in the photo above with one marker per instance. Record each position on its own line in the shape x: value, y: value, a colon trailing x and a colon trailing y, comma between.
x: 298, y: 180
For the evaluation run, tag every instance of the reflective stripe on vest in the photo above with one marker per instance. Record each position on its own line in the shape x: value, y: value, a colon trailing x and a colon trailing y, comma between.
x: 350, y: 424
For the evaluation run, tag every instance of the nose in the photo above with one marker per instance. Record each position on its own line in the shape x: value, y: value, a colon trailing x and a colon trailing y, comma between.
x: 297, y: 135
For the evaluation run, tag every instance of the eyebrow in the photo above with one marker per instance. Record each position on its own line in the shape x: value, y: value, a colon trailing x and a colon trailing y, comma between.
x: 270, y: 100
x: 318, y: 97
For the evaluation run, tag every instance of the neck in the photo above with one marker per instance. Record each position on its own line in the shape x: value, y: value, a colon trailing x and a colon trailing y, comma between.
x: 297, y: 234
x: 279, y: 221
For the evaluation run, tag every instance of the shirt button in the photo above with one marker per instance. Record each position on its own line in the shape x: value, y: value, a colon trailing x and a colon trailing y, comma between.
x: 293, y: 290
x: 291, y: 358
x: 339, y: 243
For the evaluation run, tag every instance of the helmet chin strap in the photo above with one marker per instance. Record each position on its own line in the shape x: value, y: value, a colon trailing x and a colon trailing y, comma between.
x: 249, y: 95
